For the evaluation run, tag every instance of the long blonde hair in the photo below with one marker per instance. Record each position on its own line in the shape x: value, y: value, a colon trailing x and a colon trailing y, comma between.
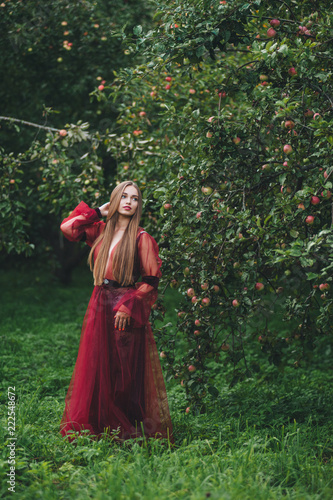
x: 124, y: 254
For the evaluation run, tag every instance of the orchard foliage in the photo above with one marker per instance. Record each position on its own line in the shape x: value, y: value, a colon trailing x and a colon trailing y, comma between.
x: 227, y: 127
x: 54, y: 54
x: 231, y: 130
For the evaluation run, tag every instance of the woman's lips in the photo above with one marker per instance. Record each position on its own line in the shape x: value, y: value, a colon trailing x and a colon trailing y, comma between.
x: 127, y: 208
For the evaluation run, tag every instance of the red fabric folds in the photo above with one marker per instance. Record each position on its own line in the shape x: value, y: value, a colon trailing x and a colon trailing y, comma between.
x: 137, y: 302
x: 83, y: 221
x: 117, y: 382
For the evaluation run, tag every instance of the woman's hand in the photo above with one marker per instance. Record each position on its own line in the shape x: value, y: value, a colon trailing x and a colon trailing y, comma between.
x: 121, y: 319
x: 104, y: 209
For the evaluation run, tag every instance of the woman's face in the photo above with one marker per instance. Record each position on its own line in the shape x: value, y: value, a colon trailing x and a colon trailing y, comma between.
x: 129, y: 201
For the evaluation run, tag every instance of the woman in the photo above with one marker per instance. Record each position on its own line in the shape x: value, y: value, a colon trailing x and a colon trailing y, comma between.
x: 117, y: 381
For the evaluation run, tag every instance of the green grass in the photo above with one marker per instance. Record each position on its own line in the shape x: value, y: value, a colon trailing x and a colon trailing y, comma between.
x: 265, y: 439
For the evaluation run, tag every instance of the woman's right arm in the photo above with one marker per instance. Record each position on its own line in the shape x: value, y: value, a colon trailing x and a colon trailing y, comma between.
x: 83, y: 224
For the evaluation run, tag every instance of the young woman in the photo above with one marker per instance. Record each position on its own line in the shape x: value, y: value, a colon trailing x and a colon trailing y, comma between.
x: 117, y: 381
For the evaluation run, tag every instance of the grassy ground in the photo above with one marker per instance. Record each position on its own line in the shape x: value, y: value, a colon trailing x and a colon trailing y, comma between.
x: 266, y: 439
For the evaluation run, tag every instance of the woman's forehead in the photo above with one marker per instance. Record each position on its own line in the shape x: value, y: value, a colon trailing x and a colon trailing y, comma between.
x: 131, y: 190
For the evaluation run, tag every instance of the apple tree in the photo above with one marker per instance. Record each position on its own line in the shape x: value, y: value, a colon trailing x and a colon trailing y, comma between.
x: 55, y: 54
x: 228, y: 126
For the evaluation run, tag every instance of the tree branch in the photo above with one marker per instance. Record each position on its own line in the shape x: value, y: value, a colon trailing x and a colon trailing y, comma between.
x: 30, y: 124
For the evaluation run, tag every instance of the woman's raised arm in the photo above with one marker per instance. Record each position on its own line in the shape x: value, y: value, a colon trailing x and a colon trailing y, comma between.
x: 83, y: 224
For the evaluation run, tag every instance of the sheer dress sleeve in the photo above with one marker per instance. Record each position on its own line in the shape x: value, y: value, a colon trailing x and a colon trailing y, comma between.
x: 83, y: 224
x: 137, y: 302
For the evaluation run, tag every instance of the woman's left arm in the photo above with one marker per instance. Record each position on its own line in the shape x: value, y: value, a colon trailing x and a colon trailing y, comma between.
x: 137, y: 302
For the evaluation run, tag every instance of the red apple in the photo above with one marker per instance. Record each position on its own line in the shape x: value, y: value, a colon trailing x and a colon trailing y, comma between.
x: 162, y: 354
x: 187, y: 271
x: 309, y: 219
x: 259, y: 286
x: 180, y: 314
x: 198, y: 215
x: 289, y: 124
x: 325, y: 174
x: 192, y: 91
x: 204, y: 286
x: 301, y: 206
x: 62, y: 133
x: 190, y: 292
x: 324, y: 286
x: 209, y: 135
x: 197, y: 322
x: 167, y: 87
x: 275, y: 23
x: 206, y: 301
x: 182, y: 383
x: 316, y: 115
x: 216, y: 288
x: 235, y: 303
x: 292, y: 71
x: 168, y: 79
x: 236, y: 140
x: 187, y: 410
x: 326, y: 194
x: 101, y: 87
x: 271, y: 32
x: 287, y: 149
x: 167, y: 206
x: 285, y: 164
x: 308, y: 112
x: 196, y: 332
x: 314, y: 200
x: 142, y: 113
x: 137, y: 132
x: 194, y: 300
x: 206, y: 190
x: 225, y: 347
x: 191, y: 368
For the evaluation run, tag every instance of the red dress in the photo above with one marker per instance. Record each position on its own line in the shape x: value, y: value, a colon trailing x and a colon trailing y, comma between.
x: 117, y: 379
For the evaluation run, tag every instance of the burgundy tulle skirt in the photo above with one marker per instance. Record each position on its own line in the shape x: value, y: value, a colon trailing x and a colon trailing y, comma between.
x: 117, y: 382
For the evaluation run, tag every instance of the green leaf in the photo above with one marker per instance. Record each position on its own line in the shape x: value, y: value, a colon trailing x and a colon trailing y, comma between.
x: 213, y: 391
x: 283, y: 49
x: 200, y: 51
x: 282, y: 179
x: 137, y: 30
x: 306, y: 262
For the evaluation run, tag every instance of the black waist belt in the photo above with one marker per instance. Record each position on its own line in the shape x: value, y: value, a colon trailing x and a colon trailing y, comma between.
x: 114, y: 284
x: 150, y: 280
